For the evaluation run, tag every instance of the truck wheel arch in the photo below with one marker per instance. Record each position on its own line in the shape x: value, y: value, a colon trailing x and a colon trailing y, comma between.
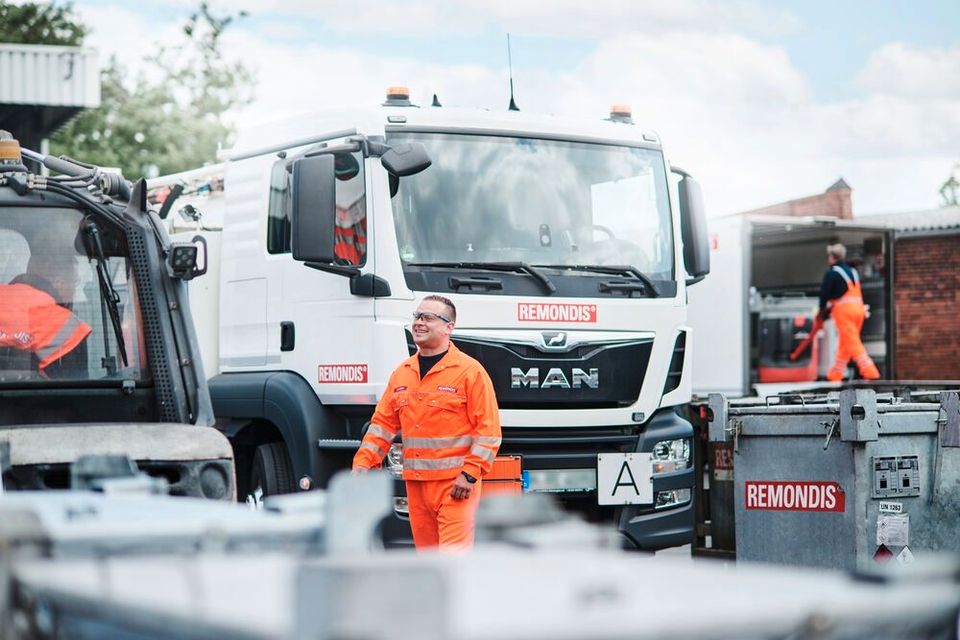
x: 264, y: 407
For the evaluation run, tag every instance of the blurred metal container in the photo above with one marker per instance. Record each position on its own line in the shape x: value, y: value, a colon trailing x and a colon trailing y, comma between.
x: 539, y: 578
x: 846, y: 480
x: 510, y: 594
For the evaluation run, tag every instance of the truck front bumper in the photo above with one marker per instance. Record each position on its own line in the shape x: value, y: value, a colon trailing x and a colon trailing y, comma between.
x: 658, y: 530
x: 195, y: 461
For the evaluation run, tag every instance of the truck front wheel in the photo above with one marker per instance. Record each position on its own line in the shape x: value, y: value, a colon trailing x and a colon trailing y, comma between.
x: 271, y: 472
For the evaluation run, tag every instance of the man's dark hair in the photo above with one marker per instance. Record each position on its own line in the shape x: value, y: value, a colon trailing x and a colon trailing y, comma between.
x: 452, y: 309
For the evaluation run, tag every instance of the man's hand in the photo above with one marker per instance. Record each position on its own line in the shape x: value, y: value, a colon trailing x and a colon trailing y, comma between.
x: 461, y: 488
x: 358, y: 471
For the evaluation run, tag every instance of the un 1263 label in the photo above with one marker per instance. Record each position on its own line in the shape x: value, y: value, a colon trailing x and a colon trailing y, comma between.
x: 890, y: 507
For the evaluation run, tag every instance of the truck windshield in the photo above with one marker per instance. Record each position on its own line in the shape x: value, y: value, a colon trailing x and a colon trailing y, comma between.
x: 536, y: 201
x: 54, y: 317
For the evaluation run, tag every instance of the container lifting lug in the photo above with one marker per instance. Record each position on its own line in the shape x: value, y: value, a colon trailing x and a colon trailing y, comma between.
x: 735, y: 428
x: 831, y: 428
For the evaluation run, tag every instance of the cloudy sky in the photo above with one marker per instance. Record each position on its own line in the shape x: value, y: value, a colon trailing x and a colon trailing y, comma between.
x: 762, y: 100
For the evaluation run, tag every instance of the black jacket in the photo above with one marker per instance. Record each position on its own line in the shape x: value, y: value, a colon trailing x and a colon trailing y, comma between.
x: 834, y: 286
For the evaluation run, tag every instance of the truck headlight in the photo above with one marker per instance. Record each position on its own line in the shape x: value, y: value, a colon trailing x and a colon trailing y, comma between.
x: 672, y: 498
x: 213, y: 482
x: 671, y: 455
x: 394, y: 460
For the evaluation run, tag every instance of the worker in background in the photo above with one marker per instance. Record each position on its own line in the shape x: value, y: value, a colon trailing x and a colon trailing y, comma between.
x: 35, y: 317
x: 443, y: 403
x: 842, y: 298
x: 350, y: 234
x: 350, y: 230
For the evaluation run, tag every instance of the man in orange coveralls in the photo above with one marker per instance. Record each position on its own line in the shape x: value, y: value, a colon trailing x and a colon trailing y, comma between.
x: 842, y: 297
x: 443, y: 403
x: 36, y: 318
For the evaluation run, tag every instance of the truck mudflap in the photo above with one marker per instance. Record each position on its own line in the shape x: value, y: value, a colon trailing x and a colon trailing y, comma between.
x: 196, y: 461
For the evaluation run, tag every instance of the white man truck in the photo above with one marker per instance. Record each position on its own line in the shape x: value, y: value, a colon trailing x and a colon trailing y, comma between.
x: 98, y: 355
x: 567, y: 247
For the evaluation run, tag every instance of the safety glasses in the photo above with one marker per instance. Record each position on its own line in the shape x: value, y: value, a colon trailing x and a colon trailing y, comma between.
x: 426, y: 316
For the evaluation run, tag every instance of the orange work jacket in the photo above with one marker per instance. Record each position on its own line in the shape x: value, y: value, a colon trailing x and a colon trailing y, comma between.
x: 350, y: 242
x: 31, y: 320
x: 449, y: 420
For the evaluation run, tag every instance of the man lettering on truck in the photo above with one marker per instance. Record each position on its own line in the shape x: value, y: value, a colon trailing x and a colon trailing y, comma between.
x: 35, y: 317
x: 842, y: 298
x: 443, y: 403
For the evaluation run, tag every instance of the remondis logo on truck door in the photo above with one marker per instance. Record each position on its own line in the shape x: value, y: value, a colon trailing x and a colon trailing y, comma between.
x: 556, y: 312
x: 794, y: 496
x: 342, y: 373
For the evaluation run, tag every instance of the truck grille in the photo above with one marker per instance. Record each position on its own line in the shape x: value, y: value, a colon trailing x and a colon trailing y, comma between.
x: 595, y: 375
x: 566, y: 448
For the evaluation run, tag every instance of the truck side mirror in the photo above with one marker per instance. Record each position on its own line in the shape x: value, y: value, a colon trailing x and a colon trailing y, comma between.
x: 693, y: 228
x: 405, y: 159
x: 314, y: 208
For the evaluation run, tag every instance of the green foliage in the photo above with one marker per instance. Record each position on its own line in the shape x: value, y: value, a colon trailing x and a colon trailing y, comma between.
x: 169, y: 118
x: 40, y: 23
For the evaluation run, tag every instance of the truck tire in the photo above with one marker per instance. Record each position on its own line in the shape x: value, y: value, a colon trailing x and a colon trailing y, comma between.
x: 271, y: 471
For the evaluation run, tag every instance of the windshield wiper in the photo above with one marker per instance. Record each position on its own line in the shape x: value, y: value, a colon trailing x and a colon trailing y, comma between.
x: 614, y: 269
x: 108, y: 294
x: 522, y: 267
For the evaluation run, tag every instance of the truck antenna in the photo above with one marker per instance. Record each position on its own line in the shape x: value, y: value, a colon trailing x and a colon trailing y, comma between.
x: 513, y: 105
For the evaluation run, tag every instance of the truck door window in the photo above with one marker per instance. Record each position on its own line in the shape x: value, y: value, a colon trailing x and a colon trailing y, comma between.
x: 350, y: 234
x: 279, y: 226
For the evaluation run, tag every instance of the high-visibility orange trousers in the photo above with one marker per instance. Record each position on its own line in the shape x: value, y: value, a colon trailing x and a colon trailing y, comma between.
x: 849, y: 320
x: 437, y: 520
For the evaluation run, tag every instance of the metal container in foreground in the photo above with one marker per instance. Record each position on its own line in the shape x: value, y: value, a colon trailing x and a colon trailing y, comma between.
x: 87, y: 566
x: 844, y: 481
x: 573, y: 594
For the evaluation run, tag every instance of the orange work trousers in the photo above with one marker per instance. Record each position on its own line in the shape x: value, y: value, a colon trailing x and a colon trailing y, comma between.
x: 437, y: 520
x: 849, y: 317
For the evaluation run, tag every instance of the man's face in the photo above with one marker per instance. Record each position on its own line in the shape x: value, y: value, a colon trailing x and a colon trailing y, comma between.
x: 62, y: 274
x: 431, y: 331
x: 65, y: 283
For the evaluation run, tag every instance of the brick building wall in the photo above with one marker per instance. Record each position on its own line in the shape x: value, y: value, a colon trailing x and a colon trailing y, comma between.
x: 927, y: 307
x: 837, y: 201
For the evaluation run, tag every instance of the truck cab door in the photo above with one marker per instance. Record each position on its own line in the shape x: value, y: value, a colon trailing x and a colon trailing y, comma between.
x: 323, y: 319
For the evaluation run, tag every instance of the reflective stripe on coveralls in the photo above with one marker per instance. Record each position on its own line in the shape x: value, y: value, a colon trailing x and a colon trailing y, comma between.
x: 848, y: 313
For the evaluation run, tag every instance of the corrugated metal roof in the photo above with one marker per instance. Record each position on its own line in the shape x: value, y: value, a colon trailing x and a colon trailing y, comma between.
x: 944, y: 219
x: 49, y: 76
